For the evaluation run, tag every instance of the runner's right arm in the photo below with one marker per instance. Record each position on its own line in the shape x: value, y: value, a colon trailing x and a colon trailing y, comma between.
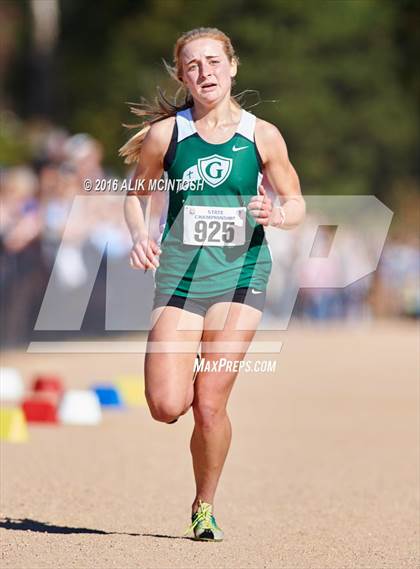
x: 143, y: 208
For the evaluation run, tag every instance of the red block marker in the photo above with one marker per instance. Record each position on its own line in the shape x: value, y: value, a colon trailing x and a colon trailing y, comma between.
x: 48, y: 383
x: 41, y: 409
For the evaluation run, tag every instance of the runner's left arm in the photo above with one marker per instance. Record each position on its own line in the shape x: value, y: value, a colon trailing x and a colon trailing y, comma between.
x: 282, y: 177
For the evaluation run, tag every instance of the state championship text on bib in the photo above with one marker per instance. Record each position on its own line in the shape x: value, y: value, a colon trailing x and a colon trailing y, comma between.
x: 214, y: 226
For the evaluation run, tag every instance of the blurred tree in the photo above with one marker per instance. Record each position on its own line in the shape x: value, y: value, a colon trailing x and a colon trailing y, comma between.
x: 343, y: 76
x: 333, y: 66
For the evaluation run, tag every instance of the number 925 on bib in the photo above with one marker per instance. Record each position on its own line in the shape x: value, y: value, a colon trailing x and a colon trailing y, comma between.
x: 214, y: 226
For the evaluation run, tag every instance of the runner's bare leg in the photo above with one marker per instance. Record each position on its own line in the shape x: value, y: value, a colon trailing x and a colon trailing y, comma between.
x: 212, y: 432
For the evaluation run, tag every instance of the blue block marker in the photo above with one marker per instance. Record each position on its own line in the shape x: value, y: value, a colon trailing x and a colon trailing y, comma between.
x: 108, y: 395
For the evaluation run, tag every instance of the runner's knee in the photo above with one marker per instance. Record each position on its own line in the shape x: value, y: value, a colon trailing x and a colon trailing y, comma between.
x: 166, y: 411
x: 208, y: 414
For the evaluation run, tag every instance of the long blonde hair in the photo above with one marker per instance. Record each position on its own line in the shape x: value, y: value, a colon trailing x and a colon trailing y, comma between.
x: 162, y: 107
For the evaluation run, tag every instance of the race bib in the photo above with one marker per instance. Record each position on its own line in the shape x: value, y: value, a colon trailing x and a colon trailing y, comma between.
x: 214, y: 226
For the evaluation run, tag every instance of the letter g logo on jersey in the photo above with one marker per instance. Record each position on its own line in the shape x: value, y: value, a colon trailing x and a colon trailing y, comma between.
x: 214, y: 169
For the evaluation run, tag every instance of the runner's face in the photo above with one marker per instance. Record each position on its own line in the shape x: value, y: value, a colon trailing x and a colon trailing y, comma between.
x: 206, y: 70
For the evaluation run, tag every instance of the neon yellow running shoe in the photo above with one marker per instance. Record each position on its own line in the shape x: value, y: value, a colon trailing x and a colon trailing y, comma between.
x: 204, y: 525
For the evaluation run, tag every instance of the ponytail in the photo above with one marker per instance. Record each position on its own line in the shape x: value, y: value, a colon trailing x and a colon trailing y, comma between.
x: 161, y: 109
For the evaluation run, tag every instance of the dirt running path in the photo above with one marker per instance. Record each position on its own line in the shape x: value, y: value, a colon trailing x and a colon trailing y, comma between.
x: 323, y: 471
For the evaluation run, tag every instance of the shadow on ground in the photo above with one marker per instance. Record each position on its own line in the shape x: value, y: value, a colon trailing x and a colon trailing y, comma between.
x: 27, y: 524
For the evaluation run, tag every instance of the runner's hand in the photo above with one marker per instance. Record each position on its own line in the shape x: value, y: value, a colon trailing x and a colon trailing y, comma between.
x: 261, y: 206
x: 145, y: 254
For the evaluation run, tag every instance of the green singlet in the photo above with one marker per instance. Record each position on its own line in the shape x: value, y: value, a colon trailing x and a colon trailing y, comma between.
x: 210, y: 243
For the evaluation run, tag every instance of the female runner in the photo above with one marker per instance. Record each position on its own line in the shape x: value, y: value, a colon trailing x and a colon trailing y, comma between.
x: 213, y: 262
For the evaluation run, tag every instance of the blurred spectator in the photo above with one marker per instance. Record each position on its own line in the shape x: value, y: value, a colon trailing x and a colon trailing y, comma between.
x: 22, y: 273
x: 35, y: 206
x: 398, y: 280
